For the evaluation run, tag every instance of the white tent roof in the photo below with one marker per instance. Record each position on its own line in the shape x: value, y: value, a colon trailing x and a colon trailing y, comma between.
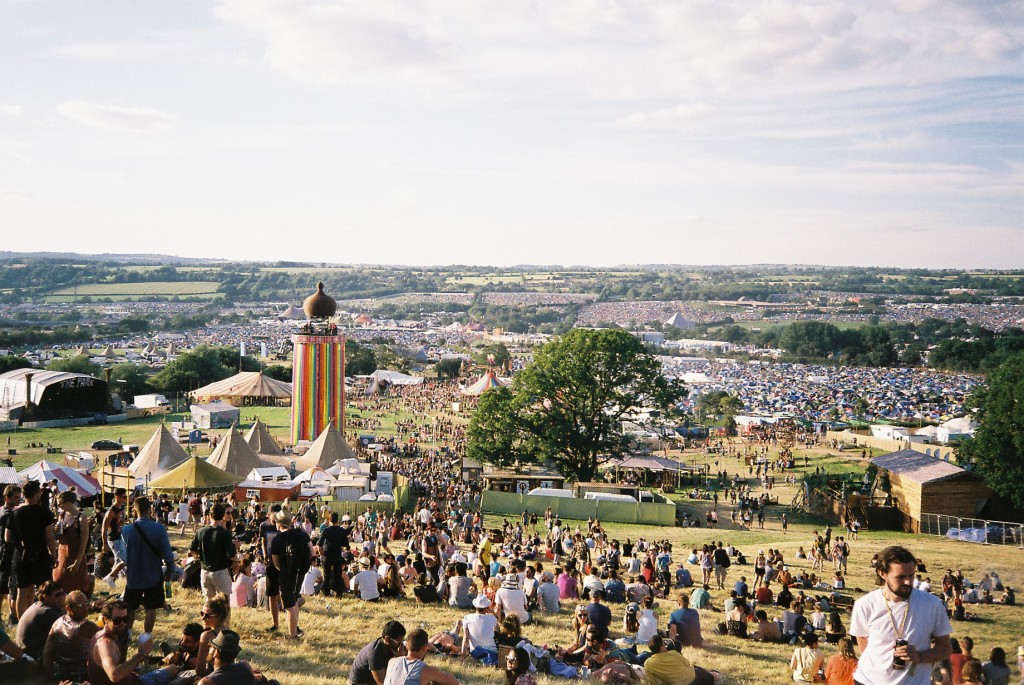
x: 12, y: 383
x: 395, y: 377
x: 158, y: 456
x: 234, y: 455
x: 328, y: 448
x: 45, y: 471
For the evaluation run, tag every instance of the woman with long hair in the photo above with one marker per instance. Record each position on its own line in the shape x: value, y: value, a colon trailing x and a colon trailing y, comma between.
x: 841, y: 665
x: 72, y: 545
x: 214, y: 614
x: 834, y: 628
x: 995, y: 669
x: 517, y: 668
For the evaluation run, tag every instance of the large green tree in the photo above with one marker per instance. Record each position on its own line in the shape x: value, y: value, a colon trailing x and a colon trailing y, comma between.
x: 359, y: 359
x: 567, y: 406
x: 74, y: 365
x: 191, y: 370
x: 129, y: 380
x: 997, y: 448
x: 9, y: 362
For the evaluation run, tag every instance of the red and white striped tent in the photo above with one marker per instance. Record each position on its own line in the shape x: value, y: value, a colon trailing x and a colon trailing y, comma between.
x: 85, y: 485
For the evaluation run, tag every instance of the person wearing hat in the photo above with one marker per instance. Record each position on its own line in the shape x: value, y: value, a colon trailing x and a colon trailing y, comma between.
x: 366, y: 584
x: 478, y: 632
x: 226, y: 671
x: 510, y: 599
x: 371, y: 663
x: 291, y: 553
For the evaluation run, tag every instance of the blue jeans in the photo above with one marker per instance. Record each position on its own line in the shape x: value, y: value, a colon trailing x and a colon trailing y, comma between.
x: 161, y: 676
x: 488, y: 657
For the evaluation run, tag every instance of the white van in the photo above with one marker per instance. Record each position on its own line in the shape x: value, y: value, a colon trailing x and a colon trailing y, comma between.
x: 552, y: 492
x: 610, y: 497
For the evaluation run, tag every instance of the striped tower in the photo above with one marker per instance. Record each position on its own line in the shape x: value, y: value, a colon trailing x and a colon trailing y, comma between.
x: 318, y: 371
x: 318, y: 385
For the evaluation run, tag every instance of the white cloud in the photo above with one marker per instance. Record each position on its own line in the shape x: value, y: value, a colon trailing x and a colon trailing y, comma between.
x: 11, y: 110
x: 670, y: 116
x: 115, y: 117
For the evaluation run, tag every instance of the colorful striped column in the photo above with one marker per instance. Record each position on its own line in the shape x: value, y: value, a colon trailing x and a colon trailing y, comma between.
x: 318, y: 385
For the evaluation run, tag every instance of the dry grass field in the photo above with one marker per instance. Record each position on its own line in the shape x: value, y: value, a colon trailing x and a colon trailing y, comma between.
x: 336, y: 629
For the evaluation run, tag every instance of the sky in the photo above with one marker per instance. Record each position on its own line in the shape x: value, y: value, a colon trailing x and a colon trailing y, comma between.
x: 583, y: 132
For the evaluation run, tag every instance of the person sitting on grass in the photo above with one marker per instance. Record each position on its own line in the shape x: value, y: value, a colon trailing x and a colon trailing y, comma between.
x: 517, y: 668
x: 767, y: 631
x: 666, y: 666
x: 478, y: 633
x: 226, y: 670
x: 807, y: 661
x: 371, y: 663
x: 411, y: 669
x: 108, y: 662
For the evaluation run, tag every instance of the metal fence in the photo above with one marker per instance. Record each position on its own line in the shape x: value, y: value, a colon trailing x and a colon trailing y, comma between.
x: 979, y: 531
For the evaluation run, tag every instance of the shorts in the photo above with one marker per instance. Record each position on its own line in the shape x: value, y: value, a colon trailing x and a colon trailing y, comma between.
x: 290, y: 591
x: 149, y: 598
x: 32, y: 566
x: 273, y: 581
x: 120, y: 551
x: 215, y: 581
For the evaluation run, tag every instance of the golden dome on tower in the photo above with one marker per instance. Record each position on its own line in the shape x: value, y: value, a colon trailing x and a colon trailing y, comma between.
x: 319, y: 305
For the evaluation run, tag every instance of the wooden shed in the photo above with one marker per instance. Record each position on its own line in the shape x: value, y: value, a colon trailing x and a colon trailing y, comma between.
x: 920, y: 483
x: 521, y: 480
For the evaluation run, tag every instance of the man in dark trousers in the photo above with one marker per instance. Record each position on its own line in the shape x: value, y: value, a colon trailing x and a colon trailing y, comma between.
x: 333, y: 541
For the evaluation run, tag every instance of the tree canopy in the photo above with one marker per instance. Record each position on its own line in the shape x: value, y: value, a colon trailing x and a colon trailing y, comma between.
x: 568, y: 405
x: 997, y: 448
x: 193, y: 369
x: 74, y: 365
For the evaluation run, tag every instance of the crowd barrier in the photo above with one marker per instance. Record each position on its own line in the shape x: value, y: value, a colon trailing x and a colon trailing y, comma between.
x: 513, y: 504
x: 973, y: 530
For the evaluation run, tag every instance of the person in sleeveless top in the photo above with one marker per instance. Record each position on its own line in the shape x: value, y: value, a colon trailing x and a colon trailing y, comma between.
x: 411, y: 669
x: 108, y: 665
x: 72, y: 545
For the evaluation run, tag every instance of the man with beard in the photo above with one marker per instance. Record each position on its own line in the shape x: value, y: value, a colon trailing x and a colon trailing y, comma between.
x: 898, y: 629
x: 108, y: 663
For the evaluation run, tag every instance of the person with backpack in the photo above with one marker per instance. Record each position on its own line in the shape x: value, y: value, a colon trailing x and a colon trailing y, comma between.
x: 291, y: 553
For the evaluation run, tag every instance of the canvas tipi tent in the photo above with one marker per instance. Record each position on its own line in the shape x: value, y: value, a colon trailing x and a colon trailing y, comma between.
x: 81, y: 351
x: 260, y: 440
x: 158, y: 456
x: 195, y: 474
x: 108, y: 352
x: 244, y: 388
x: 488, y: 381
x: 234, y: 455
x: 328, y: 448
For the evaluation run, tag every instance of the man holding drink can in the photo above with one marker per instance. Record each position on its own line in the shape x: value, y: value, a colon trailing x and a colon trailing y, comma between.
x: 897, y: 627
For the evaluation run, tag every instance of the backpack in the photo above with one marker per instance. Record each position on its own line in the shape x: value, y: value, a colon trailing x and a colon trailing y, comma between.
x: 297, y: 559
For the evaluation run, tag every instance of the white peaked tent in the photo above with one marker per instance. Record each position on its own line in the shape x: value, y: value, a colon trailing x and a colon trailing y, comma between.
x: 349, y: 467
x: 81, y: 351
x: 260, y: 440
x: 328, y: 448
x: 46, y: 471
x: 158, y: 456
x: 234, y: 454
x: 292, y: 313
x: 108, y: 352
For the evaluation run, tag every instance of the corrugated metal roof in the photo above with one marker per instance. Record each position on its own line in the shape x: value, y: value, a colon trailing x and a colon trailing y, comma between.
x: 918, y: 467
x: 14, y: 382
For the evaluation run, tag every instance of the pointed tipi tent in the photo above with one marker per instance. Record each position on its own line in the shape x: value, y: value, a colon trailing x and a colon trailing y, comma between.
x: 195, y: 474
x: 172, y: 348
x: 328, y: 448
x: 260, y: 441
x: 158, y: 456
x: 234, y: 455
x: 108, y: 352
x: 81, y: 352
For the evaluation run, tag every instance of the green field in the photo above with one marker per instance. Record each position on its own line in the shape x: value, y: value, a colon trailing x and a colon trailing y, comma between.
x: 134, y: 291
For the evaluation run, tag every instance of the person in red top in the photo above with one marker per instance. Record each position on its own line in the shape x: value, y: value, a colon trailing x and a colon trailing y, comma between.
x: 840, y: 667
x: 957, y: 660
x: 764, y: 595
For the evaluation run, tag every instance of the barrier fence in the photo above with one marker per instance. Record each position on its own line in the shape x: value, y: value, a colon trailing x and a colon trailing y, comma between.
x: 513, y: 504
x: 979, y: 531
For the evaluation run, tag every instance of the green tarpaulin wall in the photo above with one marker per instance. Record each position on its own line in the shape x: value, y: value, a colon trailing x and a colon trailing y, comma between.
x: 512, y: 504
x: 403, y: 501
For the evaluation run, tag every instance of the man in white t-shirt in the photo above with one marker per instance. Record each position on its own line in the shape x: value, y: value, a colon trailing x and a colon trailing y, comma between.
x: 478, y: 632
x: 509, y: 599
x: 424, y: 515
x: 898, y: 611
x: 366, y: 583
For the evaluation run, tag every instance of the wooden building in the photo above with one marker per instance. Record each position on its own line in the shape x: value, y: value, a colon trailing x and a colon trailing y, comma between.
x: 920, y: 483
x: 521, y: 480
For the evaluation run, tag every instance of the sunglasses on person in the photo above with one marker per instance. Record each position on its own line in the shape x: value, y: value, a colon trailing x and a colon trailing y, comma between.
x: 207, y: 614
x: 118, y: 620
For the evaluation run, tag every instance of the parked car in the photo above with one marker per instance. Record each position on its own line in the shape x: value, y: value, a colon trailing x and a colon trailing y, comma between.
x: 106, y: 445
